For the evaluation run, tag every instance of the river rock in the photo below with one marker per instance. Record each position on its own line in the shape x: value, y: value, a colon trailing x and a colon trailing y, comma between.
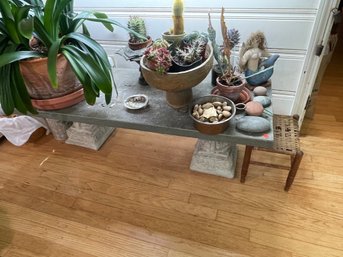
x: 260, y: 91
x: 264, y: 100
x: 253, y: 124
x: 254, y: 108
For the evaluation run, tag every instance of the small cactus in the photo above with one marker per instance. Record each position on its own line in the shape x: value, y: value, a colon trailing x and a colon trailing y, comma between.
x: 178, y: 17
x: 158, y: 59
x: 137, y: 24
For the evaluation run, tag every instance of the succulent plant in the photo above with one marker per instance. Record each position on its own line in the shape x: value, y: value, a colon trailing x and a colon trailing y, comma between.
x: 234, y: 37
x: 187, y: 55
x: 222, y: 54
x: 158, y: 59
x: 178, y: 17
x: 137, y: 24
x: 159, y: 43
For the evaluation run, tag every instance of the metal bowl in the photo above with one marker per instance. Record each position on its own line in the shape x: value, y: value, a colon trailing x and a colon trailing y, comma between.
x: 212, y: 128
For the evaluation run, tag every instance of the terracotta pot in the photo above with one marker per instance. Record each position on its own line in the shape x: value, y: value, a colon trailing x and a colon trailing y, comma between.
x: 231, y: 92
x: 138, y: 46
x: 171, y: 38
x: 35, y: 74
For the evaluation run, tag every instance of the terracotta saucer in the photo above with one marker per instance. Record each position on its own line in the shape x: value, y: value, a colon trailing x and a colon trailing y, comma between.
x: 244, y: 97
x: 59, y: 102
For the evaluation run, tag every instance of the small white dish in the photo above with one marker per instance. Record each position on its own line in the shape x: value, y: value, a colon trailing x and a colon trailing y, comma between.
x: 136, y: 102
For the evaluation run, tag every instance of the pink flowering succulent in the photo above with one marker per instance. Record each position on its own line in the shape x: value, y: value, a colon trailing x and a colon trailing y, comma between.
x: 158, y: 59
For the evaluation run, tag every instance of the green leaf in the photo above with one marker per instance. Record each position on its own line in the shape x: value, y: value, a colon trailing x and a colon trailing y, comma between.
x: 19, y: 85
x: 90, y: 90
x: 25, y: 27
x: 101, y: 15
x: 90, y: 43
x: 6, y: 98
x: 52, y: 62
x: 41, y: 33
x: 5, y: 9
x: 8, y: 58
x: 99, y: 76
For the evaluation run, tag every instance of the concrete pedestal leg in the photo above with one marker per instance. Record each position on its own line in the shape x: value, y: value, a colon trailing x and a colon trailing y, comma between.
x: 59, y: 128
x: 216, y: 158
x: 87, y: 135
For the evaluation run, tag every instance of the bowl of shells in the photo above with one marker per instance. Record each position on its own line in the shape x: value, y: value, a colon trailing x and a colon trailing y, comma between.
x: 211, y: 114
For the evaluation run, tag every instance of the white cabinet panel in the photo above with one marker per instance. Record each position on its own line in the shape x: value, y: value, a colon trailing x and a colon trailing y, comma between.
x: 293, y: 4
x: 282, y: 34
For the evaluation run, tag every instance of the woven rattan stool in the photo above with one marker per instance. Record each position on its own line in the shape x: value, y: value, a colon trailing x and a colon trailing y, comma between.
x: 286, y: 141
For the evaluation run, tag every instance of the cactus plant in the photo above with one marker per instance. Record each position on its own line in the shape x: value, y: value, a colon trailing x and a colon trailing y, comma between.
x: 137, y: 24
x: 178, y: 17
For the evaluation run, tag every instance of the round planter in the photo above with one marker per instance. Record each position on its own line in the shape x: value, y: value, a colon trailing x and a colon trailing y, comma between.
x: 35, y: 74
x: 170, y: 38
x: 178, y: 85
x: 138, y: 46
x: 176, y: 67
x: 231, y: 92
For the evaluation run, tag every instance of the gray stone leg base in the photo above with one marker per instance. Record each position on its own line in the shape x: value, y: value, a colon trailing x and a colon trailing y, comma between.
x: 216, y: 158
x: 87, y: 135
x: 59, y: 128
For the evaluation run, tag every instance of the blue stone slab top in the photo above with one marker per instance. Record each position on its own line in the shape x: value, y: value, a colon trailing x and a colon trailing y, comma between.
x: 158, y: 116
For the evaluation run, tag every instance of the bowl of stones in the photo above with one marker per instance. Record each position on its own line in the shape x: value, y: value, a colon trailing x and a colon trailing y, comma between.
x: 136, y: 102
x: 211, y: 114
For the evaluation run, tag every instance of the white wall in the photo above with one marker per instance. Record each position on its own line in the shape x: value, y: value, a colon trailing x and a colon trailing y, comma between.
x: 288, y: 26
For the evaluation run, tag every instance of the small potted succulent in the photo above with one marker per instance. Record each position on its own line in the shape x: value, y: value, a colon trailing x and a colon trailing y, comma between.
x: 177, y: 32
x: 137, y: 24
x: 190, y: 52
x: 230, y: 82
x: 158, y: 57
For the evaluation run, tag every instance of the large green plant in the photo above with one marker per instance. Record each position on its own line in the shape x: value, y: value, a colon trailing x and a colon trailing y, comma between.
x: 30, y: 28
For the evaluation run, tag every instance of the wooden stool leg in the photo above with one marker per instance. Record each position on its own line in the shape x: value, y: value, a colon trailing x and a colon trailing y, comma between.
x: 246, y: 162
x: 293, y: 170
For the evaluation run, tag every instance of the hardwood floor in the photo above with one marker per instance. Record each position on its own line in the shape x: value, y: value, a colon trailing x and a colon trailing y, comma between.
x: 137, y: 197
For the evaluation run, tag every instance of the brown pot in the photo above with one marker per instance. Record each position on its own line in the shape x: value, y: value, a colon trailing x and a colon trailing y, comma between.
x: 232, y: 92
x: 138, y: 46
x: 35, y: 74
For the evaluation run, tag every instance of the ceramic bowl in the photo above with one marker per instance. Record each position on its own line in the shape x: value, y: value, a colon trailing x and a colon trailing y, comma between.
x: 212, y: 128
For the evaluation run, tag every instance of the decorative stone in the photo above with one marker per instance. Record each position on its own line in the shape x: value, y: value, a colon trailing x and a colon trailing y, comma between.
x: 214, y: 157
x: 260, y: 91
x: 264, y: 100
x: 253, y: 124
x: 254, y: 108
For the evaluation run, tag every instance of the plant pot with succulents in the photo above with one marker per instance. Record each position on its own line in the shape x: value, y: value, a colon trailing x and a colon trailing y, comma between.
x: 54, y: 37
x: 189, y: 52
x: 156, y: 64
x: 137, y: 24
x: 229, y: 82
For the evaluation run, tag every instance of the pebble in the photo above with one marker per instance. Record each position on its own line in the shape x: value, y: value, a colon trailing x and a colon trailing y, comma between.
x: 253, y: 124
x: 260, y: 91
x: 264, y: 100
x: 254, y: 108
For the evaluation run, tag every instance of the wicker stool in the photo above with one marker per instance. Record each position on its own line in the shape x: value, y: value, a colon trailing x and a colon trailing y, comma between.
x: 286, y: 141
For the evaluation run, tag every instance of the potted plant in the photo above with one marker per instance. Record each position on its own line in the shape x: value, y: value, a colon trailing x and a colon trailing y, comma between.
x: 189, y: 52
x: 177, y: 32
x: 230, y: 82
x: 32, y: 32
x: 136, y: 42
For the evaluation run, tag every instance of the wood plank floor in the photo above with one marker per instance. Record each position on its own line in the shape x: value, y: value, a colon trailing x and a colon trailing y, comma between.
x: 137, y: 197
